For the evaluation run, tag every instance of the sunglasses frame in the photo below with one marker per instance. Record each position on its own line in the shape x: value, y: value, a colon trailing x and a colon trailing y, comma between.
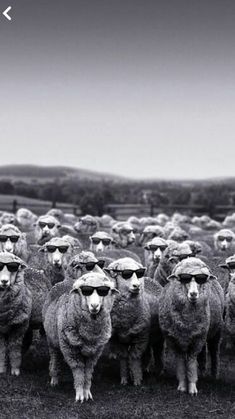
x: 11, y: 266
x: 100, y: 263
x: 13, y: 238
x: 222, y: 238
x: 97, y: 241
x: 131, y: 272
x: 91, y: 289
x: 154, y: 247
x: 51, y: 248
x: 42, y: 224
x: 200, y: 279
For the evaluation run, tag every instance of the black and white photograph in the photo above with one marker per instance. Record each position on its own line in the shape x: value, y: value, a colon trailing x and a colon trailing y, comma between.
x: 117, y: 209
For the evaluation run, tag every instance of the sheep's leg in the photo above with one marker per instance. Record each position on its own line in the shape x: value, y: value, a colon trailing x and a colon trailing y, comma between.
x: 54, y: 365
x: 2, y: 354
x: 15, y: 344
x: 181, y: 372
x: 202, y: 360
x: 192, y: 375
x: 89, y: 368
x: 136, y: 370
x: 214, y: 350
x: 124, y: 371
x: 79, y: 381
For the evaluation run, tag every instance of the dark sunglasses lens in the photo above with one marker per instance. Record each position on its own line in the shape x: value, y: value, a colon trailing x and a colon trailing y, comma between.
x: 14, y: 239
x: 102, y: 291
x: 201, y: 278
x: 86, y: 290
x: 3, y: 239
x: 90, y: 266
x: 50, y: 225
x: 153, y: 248
x: 101, y: 263
x: 231, y: 265
x: 42, y: 224
x: 63, y: 249
x: 185, y: 278
x: 229, y: 239
x: 1, y: 266
x: 106, y: 242
x: 95, y: 240
x: 127, y: 274
x: 51, y: 249
x: 13, y: 266
x: 140, y: 272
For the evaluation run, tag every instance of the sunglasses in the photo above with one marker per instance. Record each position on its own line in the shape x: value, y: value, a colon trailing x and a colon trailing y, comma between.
x: 88, y: 222
x: 231, y: 265
x: 126, y: 232
x: 199, y: 278
x: 182, y: 257
x: 154, y: 247
x: 90, y: 265
x: 51, y: 249
x: 228, y: 239
x: 42, y: 224
x: 96, y: 240
x: 87, y: 290
x: 127, y: 273
x: 13, y: 239
x: 11, y: 266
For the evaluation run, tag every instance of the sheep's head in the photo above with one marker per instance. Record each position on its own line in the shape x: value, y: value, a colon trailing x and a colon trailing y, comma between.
x: 154, y: 249
x: 84, y: 262
x: 25, y: 218
x: 12, y: 240
x: 195, y: 246
x: 58, y: 252
x: 123, y: 233
x: 96, y: 291
x: 100, y: 241
x: 46, y: 228
x: 8, y: 218
x: 150, y: 232
x: 86, y: 225
x: 192, y: 276
x: 178, y: 234
x: 57, y: 213
x: 11, y: 267
x: 224, y: 239
x: 128, y: 275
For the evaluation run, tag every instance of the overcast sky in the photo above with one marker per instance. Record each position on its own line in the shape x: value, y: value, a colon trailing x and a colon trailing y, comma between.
x: 141, y: 88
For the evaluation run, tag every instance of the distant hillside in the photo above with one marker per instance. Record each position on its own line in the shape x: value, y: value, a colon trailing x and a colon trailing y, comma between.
x: 31, y: 173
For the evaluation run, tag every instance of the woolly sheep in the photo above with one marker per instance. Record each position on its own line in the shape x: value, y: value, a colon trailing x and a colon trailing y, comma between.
x: 46, y: 227
x: 7, y: 218
x: 123, y: 234
x: 230, y: 300
x: 25, y: 219
x: 14, y: 241
x: 191, y: 315
x: 15, y: 310
x: 149, y: 233
x: 78, y: 326
x: 224, y: 241
x: 100, y: 241
x: 153, y: 252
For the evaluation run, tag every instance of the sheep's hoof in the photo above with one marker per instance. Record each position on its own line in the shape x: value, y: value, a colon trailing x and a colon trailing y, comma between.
x: 54, y: 381
x: 15, y: 371
x: 192, y: 389
x: 79, y: 395
x: 182, y: 387
x: 124, y: 381
x: 87, y: 395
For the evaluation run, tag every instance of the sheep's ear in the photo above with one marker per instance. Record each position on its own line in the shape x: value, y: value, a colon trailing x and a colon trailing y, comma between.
x: 41, y: 249
x: 146, y: 246
x: 23, y: 265
x: 212, y: 277
x: 224, y: 266
x: 74, y: 290
x: 109, y: 272
x: 171, y: 277
x: 115, y: 291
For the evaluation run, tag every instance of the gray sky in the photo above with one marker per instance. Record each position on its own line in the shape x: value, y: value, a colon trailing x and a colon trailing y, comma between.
x: 141, y: 88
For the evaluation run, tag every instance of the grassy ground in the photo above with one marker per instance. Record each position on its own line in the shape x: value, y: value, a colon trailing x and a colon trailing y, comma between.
x: 30, y: 395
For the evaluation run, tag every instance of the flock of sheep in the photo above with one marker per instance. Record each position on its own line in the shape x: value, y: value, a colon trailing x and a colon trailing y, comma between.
x: 133, y: 289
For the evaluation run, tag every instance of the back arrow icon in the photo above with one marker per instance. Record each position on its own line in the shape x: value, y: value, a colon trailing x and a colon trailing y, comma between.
x: 5, y: 13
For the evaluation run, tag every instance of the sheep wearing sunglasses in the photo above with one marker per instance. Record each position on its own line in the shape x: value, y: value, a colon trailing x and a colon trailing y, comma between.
x: 191, y: 317
x: 224, y: 240
x: 16, y: 306
x: 46, y: 227
x: 131, y: 318
x: 100, y: 241
x: 12, y: 240
x: 88, y: 305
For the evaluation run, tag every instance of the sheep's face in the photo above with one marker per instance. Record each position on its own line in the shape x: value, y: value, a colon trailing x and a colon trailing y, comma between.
x: 46, y: 228
x: 10, y: 266
x: 12, y: 240
x: 86, y: 225
x: 193, y: 277
x: 96, y: 291
x: 149, y: 233
x: 124, y: 234
x: 83, y: 263
x: 224, y: 240
x: 8, y: 218
x: 100, y: 241
x: 58, y: 252
x: 128, y: 275
x: 154, y: 250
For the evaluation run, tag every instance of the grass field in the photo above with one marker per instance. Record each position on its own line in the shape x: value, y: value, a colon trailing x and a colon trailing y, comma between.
x: 30, y: 395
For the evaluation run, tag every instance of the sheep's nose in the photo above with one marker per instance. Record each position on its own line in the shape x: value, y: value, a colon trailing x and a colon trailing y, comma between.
x: 136, y: 286
x: 4, y: 281
x: 193, y: 294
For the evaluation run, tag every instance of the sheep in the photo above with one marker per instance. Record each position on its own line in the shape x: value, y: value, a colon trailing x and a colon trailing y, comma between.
x: 46, y: 227
x: 15, y: 310
x: 229, y: 319
x: 7, y: 218
x: 123, y: 234
x: 78, y: 326
x: 100, y: 241
x: 14, y: 241
x: 149, y: 232
x: 191, y: 315
x: 25, y: 219
x: 178, y: 234
x: 153, y: 253
x: 131, y: 318
x: 224, y: 241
